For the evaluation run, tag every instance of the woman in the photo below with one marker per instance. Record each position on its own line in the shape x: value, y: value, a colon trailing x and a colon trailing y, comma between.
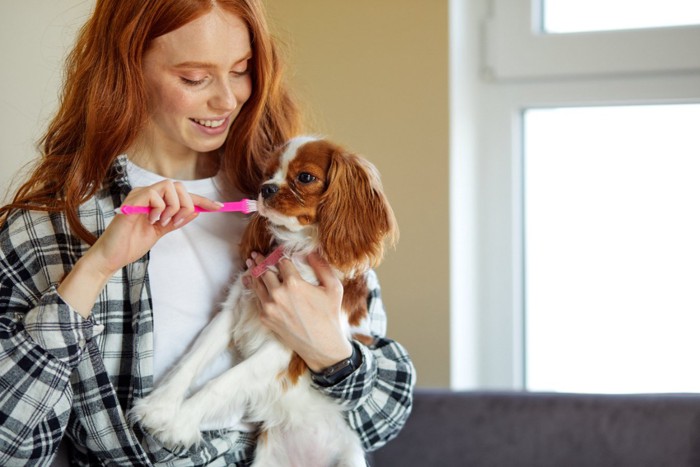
x: 92, y: 309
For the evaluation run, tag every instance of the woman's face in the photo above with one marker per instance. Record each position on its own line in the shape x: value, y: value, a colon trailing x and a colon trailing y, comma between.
x: 197, y: 80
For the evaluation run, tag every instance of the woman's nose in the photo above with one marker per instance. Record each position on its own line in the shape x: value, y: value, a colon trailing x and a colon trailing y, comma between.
x: 224, y: 97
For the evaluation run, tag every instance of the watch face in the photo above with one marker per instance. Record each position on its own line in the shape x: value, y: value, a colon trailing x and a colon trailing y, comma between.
x: 338, y: 372
x: 331, y: 370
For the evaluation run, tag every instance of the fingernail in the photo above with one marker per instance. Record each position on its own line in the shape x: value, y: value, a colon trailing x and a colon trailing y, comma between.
x: 254, y: 254
x: 166, y: 222
x: 178, y: 222
x: 153, y: 221
x: 246, y: 282
x: 249, y: 263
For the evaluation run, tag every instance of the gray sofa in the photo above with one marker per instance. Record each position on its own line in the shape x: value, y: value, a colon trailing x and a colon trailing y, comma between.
x: 520, y: 429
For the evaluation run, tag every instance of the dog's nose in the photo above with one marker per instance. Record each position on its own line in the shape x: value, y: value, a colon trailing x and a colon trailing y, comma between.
x: 268, y: 190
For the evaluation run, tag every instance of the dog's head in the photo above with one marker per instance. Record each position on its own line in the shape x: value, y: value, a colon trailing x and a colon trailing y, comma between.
x: 319, y: 196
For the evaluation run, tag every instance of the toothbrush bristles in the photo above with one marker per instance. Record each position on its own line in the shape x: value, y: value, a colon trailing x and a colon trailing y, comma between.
x: 251, y: 206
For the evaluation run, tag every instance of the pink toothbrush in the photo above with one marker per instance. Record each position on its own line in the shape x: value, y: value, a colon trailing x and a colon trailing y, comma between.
x: 245, y: 206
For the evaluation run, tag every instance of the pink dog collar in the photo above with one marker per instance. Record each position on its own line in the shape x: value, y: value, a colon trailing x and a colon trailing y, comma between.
x: 272, y: 259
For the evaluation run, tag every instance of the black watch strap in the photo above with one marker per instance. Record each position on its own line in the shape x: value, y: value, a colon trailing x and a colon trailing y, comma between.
x: 336, y: 373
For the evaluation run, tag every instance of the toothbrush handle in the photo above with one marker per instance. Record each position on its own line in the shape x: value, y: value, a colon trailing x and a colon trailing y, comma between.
x: 246, y: 206
x: 130, y: 209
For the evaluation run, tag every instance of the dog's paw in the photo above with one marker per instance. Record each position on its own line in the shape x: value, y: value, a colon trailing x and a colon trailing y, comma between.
x: 163, y: 417
x: 154, y: 414
x: 184, y: 434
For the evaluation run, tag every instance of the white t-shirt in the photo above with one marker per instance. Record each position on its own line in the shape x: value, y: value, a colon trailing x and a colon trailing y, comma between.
x: 190, y: 271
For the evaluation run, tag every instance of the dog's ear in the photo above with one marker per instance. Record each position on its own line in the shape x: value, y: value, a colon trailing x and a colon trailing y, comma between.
x: 256, y: 237
x: 355, y: 293
x: 355, y: 218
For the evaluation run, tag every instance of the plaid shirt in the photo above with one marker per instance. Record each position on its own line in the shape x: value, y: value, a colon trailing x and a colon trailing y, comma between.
x: 62, y: 374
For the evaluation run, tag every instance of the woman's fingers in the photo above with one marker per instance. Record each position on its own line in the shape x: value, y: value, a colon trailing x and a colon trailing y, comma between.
x: 206, y: 203
x: 171, y: 196
x: 324, y: 273
x: 179, y: 203
x: 256, y: 284
x: 269, y: 277
x: 170, y: 203
x: 155, y: 201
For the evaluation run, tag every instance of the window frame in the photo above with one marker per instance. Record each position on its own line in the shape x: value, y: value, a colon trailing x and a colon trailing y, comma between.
x: 516, y: 47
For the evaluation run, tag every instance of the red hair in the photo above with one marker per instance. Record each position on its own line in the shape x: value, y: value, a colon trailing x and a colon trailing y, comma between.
x: 103, y: 104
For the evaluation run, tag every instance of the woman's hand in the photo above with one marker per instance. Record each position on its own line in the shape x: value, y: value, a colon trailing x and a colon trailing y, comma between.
x: 128, y: 238
x: 305, y: 317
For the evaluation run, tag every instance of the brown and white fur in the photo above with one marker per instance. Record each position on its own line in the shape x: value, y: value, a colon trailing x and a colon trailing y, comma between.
x: 318, y: 198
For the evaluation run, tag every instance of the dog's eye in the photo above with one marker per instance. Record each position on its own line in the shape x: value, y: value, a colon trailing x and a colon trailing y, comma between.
x: 305, y: 177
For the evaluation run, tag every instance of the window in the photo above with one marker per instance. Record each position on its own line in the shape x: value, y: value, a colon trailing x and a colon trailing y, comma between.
x: 519, y: 96
x: 612, y: 250
x: 570, y: 16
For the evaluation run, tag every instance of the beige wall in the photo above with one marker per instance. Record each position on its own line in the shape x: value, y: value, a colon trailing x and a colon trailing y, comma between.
x: 35, y: 35
x: 375, y: 74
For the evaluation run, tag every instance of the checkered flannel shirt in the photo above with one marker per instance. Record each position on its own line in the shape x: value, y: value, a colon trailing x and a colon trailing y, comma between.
x: 62, y: 374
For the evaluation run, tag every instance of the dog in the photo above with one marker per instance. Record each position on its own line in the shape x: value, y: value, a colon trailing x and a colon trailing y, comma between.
x: 318, y: 197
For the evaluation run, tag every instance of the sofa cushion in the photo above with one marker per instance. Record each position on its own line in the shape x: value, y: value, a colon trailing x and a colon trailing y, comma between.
x: 521, y: 429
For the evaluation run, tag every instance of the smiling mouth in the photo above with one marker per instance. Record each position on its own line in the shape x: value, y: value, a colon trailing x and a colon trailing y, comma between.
x: 209, y: 123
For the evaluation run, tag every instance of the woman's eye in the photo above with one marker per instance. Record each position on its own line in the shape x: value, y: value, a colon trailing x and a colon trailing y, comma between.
x: 192, y: 82
x: 305, y: 177
x: 241, y: 70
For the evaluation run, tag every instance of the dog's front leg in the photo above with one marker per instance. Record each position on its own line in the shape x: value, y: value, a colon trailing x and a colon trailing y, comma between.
x: 250, y: 385
x: 158, y: 410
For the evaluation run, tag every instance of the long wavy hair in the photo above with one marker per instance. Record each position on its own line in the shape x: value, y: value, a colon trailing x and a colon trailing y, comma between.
x: 103, y: 104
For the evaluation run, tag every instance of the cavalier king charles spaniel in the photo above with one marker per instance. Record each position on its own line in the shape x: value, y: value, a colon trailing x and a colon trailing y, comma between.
x: 317, y: 198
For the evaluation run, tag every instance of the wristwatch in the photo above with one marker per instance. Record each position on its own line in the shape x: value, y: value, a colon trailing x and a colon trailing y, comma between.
x: 336, y: 373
